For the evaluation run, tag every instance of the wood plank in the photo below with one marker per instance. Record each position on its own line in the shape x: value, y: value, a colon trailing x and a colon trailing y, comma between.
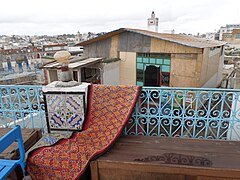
x: 167, y: 169
x: 113, y: 53
x: 139, y: 154
x: 162, y: 46
x: 126, y: 174
x: 94, y: 170
x: 30, y: 137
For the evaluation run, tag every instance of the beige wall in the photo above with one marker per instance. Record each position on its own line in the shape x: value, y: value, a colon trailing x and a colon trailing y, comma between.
x: 234, y: 39
x: 227, y: 37
x: 127, y: 68
x: 160, y: 46
x: 231, y: 37
x: 114, y: 47
x: 185, y: 70
x: 186, y: 62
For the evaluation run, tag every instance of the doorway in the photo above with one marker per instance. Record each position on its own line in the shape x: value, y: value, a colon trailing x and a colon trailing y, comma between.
x: 153, y: 69
x: 152, y: 75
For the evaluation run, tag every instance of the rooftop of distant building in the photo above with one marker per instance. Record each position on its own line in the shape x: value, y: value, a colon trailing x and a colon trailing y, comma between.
x: 176, y: 38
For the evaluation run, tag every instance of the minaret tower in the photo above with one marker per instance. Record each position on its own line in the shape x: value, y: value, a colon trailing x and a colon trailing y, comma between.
x: 78, y: 37
x: 153, y: 23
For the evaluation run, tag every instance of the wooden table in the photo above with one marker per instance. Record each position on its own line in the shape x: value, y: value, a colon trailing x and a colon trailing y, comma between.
x: 30, y: 137
x: 139, y: 157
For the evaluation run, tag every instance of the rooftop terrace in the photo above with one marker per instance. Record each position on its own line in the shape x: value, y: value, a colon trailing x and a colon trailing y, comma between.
x: 185, y: 113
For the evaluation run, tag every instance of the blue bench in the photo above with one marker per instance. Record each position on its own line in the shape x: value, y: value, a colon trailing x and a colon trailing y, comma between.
x: 7, y: 166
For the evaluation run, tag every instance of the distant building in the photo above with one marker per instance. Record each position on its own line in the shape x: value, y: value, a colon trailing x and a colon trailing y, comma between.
x: 50, y: 49
x: 153, y: 23
x: 154, y: 59
x: 210, y: 35
x: 233, y: 37
x: 227, y: 29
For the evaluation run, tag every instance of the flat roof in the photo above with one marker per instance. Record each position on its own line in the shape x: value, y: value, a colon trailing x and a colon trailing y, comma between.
x: 75, y: 64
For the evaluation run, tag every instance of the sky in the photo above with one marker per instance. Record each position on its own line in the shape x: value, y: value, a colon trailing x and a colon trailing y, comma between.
x: 53, y: 17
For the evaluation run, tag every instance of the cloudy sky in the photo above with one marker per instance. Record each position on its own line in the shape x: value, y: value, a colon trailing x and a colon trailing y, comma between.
x: 54, y: 17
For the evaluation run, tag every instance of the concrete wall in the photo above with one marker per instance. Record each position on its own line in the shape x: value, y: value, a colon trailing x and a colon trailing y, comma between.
x: 98, y: 49
x: 31, y: 78
x: 133, y: 42
x: 127, y: 68
x: 211, y: 71
x: 111, y: 73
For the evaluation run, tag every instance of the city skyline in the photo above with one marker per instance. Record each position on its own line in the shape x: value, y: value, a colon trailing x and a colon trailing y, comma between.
x: 58, y: 17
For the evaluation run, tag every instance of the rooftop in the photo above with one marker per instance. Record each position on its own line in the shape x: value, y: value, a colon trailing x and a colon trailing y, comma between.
x: 74, y: 63
x: 175, y: 38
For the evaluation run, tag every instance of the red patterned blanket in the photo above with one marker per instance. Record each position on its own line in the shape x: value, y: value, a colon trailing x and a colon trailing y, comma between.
x: 109, y: 109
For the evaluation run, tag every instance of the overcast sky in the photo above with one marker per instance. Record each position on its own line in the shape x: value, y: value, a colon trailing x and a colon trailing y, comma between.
x: 52, y: 17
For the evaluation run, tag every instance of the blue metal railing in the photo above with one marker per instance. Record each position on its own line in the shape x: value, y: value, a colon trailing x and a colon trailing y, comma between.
x: 172, y: 112
x: 187, y: 112
x: 22, y: 105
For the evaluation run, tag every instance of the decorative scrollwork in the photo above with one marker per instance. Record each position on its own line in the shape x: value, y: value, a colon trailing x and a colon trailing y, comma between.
x: 178, y: 159
x: 21, y: 105
x: 198, y: 113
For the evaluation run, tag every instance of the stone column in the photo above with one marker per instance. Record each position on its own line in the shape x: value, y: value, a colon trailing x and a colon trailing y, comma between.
x: 66, y: 75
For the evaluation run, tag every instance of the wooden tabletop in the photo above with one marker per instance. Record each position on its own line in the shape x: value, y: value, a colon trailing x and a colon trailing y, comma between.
x: 174, y: 155
x: 30, y: 137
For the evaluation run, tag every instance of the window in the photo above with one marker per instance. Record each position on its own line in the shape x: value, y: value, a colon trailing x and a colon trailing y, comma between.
x: 53, y: 75
x: 90, y: 75
x: 75, y: 76
x: 228, y: 36
x: 153, y: 69
x: 238, y: 36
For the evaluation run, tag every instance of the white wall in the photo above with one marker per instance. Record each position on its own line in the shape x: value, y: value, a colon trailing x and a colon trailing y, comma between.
x: 111, y: 73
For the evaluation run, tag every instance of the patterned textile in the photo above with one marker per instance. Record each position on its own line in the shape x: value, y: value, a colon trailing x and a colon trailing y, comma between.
x: 109, y: 109
x: 49, y: 140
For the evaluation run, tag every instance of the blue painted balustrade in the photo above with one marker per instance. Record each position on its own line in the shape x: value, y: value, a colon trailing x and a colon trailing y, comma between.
x: 171, y: 112
x: 22, y: 105
x: 187, y: 112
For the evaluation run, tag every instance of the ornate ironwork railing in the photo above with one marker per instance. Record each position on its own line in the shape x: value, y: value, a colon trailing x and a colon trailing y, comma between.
x: 171, y: 112
x: 22, y: 105
x: 184, y: 112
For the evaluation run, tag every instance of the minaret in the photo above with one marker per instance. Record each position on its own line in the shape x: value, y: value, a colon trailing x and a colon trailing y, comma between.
x: 153, y: 23
x: 78, y: 37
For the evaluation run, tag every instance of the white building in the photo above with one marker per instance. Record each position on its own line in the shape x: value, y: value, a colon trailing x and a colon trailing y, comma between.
x: 211, y: 35
x: 153, y: 23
